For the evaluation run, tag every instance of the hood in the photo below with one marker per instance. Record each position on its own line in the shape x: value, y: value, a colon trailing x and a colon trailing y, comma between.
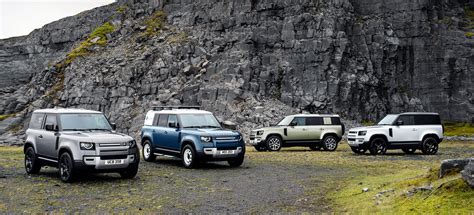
x: 266, y: 128
x: 367, y: 127
x: 97, y: 136
x: 215, y: 132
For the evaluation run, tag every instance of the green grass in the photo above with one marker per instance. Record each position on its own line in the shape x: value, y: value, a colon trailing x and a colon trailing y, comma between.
x: 458, y: 129
x: 469, y: 34
x: 122, y: 9
x: 155, y: 23
x: 180, y: 37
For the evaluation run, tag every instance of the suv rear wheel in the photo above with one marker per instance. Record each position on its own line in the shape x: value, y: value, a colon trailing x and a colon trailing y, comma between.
x: 409, y: 150
x: 329, y: 143
x: 429, y: 146
x: 188, y: 157
x: 274, y: 143
x: 66, y: 168
x: 32, y: 164
x: 378, y: 146
x: 148, y: 152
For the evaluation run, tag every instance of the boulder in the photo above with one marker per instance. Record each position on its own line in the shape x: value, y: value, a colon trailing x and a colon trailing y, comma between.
x: 468, y: 173
x: 453, y: 165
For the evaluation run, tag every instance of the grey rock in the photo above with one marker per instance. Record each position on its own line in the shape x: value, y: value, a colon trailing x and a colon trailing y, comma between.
x: 453, y: 165
x: 468, y: 173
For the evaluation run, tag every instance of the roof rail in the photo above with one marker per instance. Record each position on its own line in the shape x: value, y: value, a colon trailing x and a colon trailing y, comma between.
x: 175, y: 107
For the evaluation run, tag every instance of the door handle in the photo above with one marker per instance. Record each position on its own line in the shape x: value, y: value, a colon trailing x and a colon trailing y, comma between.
x: 166, y: 132
x: 40, y: 136
x: 153, y: 131
x: 322, y: 129
x: 415, y: 129
x: 304, y: 129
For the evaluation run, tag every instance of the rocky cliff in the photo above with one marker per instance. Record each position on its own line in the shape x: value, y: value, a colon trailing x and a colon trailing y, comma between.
x: 250, y: 61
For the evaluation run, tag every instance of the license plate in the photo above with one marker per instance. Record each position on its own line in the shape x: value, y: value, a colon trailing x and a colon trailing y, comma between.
x: 114, y: 162
x: 252, y: 141
x: 227, y: 152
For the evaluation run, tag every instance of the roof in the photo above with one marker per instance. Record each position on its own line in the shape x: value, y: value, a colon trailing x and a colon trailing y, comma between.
x: 65, y: 110
x: 323, y: 115
x: 418, y: 113
x: 182, y: 111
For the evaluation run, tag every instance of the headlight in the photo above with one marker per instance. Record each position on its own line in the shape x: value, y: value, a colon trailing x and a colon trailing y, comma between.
x: 87, y: 146
x: 206, y: 139
x: 259, y: 132
x: 132, y: 144
x: 362, y: 133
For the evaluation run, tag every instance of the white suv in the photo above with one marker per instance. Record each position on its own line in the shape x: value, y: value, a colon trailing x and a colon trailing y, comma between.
x: 405, y: 131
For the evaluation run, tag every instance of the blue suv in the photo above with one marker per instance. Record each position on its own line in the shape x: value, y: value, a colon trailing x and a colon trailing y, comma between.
x: 193, y: 135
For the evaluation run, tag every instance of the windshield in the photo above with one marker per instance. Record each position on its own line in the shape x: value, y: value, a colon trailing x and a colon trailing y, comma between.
x: 285, y: 121
x: 81, y: 121
x: 199, y: 121
x: 388, y: 120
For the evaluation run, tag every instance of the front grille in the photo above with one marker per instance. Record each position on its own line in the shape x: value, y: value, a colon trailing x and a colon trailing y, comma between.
x: 352, y: 132
x: 111, y: 157
x: 227, y: 138
x: 112, y: 144
x: 351, y: 139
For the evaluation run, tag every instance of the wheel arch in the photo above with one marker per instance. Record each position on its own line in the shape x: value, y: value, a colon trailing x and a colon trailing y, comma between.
x: 27, y: 145
x: 187, y: 142
x: 144, y: 138
x: 275, y: 134
x: 331, y: 133
x: 379, y: 136
x: 435, y: 136
x: 65, y: 149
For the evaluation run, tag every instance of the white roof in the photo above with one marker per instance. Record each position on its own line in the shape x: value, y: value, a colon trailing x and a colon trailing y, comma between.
x: 65, y: 110
x: 418, y: 113
x: 307, y: 114
x: 182, y: 111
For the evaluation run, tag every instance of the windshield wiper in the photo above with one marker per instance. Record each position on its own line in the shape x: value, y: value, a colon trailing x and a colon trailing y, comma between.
x: 194, y: 126
x: 210, y: 126
x: 75, y: 129
x: 99, y: 129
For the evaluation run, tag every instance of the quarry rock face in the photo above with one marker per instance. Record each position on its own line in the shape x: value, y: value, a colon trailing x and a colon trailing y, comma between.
x: 250, y: 61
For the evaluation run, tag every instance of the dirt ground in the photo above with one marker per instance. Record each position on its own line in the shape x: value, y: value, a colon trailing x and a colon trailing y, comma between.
x: 292, y: 180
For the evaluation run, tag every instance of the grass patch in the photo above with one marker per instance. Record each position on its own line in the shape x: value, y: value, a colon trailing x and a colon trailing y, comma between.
x: 180, y: 37
x: 97, y: 37
x: 6, y: 116
x: 367, y: 122
x: 458, y: 129
x: 155, y: 23
x: 469, y: 34
x: 122, y: 9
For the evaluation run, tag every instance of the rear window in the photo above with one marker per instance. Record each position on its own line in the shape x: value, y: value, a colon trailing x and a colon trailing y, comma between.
x: 427, y: 120
x: 336, y: 120
x: 314, y: 121
x: 36, y: 121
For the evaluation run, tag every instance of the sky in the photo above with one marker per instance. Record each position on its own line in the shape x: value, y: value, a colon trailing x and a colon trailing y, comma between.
x: 20, y: 17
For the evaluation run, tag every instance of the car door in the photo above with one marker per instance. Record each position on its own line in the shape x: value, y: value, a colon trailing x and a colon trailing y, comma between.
x: 297, y: 130
x: 406, y: 132
x: 35, y: 130
x: 158, y: 130
x: 48, y: 138
x: 314, y: 127
x: 171, y: 134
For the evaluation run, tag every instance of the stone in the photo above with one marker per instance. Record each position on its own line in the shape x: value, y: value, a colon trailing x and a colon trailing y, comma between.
x: 468, y: 173
x: 453, y: 166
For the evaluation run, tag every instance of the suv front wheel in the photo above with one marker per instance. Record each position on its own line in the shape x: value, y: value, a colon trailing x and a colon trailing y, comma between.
x: 188, y: 157
x: 378, y: 146
x: 329, y: 143
x: 148, y: 152
x: 32, y: 164
x: 429, y: 146
x: 274, y: 143
x: 66, y: 167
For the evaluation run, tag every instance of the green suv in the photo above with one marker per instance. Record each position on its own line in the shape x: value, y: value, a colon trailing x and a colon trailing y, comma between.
x: 314, y: 130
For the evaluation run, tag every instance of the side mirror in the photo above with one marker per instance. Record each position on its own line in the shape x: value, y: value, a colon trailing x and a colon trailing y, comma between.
x: 114, y: 126
x: 399, y: 122
x: 172, y: 124
x: 229, y: 125
x: 50, y: 127
x: 293, y: 124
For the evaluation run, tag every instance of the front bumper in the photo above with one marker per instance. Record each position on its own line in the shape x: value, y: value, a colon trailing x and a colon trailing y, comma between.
x: 106, y: 163
x: 217, y: 154
x: 355, y: 141
x: 255, y: 141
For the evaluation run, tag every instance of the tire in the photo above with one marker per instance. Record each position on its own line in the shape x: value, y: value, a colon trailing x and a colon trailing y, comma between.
x: 32, y: 163
x: 130, y: 172
x: 189, y: 157
x: 429, y: 146
x: 359, y: 150
x: 274, y: 143
x: 378, y: 146
x: 260, y: 148
x: 236, y: 162
x: 66, y: 167
x: 148, y: 152
x: 329, y: 143
x: 315, y: 148
x: 409, y: 150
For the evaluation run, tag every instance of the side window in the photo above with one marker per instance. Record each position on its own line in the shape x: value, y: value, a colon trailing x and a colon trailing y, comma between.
x: 51, y: 119
x: 314, y: 121
x: 36, y: 121
x: 163, y: 120
x: 335, y: 120
x: 155, y: 119
x: 172, y: 118
x: 427, y: 120
x: 407, y: 119
x: 299, y: 121
x: 327, y: 121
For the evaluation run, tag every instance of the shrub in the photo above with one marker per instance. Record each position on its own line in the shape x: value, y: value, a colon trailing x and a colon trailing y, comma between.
x: 155, y: 23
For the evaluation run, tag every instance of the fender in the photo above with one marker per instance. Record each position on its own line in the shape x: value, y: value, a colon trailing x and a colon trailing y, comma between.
x: 192, y: 139
x: 28, y: 144
x: 65, y: 148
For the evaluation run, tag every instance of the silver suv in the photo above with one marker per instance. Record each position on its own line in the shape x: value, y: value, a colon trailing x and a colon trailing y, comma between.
x: 76, y: 139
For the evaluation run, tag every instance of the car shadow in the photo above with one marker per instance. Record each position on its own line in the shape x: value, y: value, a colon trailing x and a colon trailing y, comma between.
x: 81, y: 176
x: 175, y: 162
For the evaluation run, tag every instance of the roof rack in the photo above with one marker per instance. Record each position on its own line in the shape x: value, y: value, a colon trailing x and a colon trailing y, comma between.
x: 175, y: 107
